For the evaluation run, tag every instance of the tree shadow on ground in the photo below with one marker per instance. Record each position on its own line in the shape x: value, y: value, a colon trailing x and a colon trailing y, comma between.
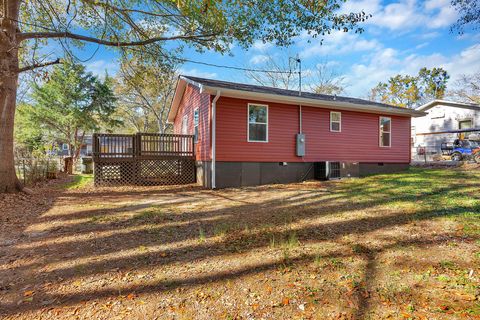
x: 312, y: 214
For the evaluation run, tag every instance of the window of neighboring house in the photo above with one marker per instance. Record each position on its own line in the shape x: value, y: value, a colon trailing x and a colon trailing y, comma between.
x: 465, y: 124
x: 257, y: 123
x: 185, y: 124
x: 195, y: 125
x: 65, y: 147
x: 335, y: 121
x: 385, y: 131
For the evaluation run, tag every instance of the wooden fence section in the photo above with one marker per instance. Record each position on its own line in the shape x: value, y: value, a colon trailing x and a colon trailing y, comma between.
x: 143, y: 159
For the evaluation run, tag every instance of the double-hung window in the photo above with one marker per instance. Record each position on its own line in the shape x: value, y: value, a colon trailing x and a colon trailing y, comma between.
x: 195, y: 125
x: 385, y: 131
x: 335, y: 121
x: 257, y: 123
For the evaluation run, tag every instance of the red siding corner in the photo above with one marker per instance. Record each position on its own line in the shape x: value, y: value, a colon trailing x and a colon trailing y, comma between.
x: 192, y: 98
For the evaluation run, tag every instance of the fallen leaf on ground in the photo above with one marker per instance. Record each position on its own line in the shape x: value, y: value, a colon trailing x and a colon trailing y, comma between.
x: 28, y: 293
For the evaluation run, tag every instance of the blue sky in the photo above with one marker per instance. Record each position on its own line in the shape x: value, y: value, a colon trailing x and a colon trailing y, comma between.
x: 401, y: 37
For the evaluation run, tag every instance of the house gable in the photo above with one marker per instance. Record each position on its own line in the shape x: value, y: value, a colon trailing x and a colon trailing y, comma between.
x: 191, y: 100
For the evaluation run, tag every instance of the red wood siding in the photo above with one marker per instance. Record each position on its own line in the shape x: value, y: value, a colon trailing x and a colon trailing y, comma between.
x: 191, y: 100
x: 358, y: 141
x: 232, y: 142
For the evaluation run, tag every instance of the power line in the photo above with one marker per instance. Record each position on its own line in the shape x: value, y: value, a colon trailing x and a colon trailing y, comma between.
x: 230, y: 67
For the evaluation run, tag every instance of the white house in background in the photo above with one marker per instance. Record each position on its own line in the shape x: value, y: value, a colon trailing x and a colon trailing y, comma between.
x: 445, y: 121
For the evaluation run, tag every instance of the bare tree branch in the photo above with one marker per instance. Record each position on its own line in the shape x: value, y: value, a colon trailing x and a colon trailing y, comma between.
x: 39, y: 65
x: 50, y: 35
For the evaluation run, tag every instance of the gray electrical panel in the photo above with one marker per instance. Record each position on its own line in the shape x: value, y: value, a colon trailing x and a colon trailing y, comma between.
x: 300, y: 145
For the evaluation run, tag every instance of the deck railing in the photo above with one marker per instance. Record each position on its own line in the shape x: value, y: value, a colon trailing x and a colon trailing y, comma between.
x: 142, y: 145
x: 143, y: 159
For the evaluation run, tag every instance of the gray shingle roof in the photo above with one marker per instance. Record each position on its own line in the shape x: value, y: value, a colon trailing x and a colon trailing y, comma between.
x: 284, y: 92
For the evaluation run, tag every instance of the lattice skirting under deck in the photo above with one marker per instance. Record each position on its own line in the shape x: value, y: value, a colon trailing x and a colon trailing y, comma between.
x: 144, y: 172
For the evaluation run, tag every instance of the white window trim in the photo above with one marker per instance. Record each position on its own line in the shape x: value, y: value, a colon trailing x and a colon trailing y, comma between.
x: 380, y: 132
x: 196, y: 125
x: 339, y: 121
x: 464, y: 120
x: 248, y: 122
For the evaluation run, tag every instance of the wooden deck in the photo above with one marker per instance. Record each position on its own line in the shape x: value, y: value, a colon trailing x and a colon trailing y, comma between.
x: 143, y: 159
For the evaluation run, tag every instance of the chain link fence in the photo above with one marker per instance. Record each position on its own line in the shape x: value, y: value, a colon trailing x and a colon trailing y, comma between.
x: 428, y: 154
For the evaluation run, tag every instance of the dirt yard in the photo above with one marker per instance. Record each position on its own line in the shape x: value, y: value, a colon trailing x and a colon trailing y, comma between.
x: 404, y: 246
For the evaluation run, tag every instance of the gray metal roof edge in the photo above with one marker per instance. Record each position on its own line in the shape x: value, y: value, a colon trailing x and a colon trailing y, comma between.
x: 448, y: 103
x: 203, y: 82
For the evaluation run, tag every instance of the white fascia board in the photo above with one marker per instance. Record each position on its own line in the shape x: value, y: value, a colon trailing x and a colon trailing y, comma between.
x: 340, y: 105
x: 447, y: 103
x: 177, y: 98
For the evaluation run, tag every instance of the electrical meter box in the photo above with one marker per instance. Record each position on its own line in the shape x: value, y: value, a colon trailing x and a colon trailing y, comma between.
x: 300, y: 145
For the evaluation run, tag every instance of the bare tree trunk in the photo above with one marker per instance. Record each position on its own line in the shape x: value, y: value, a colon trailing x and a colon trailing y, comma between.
x: 8, y: 93
x: 78, y: 143
x: 161, y: 128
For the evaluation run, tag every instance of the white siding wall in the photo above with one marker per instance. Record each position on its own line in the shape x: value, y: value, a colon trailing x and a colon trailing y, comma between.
x: 441, y: 118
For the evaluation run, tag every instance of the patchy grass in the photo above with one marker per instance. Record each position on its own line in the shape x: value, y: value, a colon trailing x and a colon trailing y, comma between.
x: 79, y: 181
x: 400, y: 246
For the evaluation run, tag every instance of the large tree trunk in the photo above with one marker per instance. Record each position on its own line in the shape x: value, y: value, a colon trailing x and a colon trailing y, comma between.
x: 8, y: 93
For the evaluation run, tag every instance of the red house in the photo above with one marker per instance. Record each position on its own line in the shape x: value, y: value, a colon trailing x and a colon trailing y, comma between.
x: 250, y: 135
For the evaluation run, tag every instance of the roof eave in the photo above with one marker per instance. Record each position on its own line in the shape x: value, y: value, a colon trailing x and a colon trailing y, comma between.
x: 313, y: 102
x: 447, y: 103
x: 177, y: 98
x: 341, y: 105
x: 182, y: 83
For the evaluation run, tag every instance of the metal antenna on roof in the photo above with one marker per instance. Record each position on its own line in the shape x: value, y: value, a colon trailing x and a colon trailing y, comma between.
x: 299, y: 62
x: 299, y: 75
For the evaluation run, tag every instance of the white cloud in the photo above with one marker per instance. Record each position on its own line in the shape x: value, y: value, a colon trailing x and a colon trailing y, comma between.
x: 388, y: 62
x: 259, y: 59
x: 428, y: 35
x: 193, y: 72
x: 422, y: 45
x: 99, y: 67
x: 465, y: 62
x: 261, y: 46
x: 405, y: 14
x: 338, y: 42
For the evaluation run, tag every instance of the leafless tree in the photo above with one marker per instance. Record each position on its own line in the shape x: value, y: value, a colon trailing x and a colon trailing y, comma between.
x: 145, y: 90
x: 467, y: 88
x: 280, y: 72
x: 327, y: 80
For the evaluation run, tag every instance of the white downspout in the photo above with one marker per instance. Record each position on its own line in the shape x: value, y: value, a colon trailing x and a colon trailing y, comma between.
x: 214, y: 134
